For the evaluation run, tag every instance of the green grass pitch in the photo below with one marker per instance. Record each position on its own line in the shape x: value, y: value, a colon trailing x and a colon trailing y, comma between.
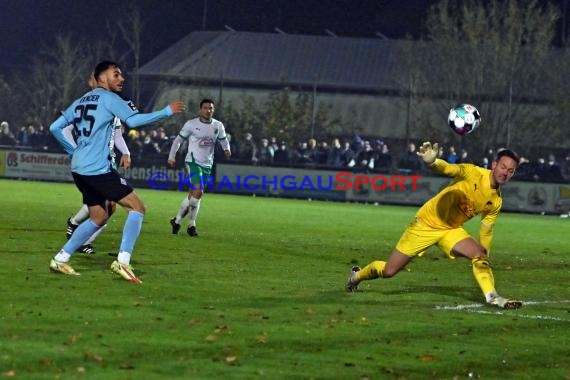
x: 260, y: 294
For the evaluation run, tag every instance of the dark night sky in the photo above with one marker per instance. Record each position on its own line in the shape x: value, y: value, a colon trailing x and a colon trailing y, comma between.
x: 28, y: 25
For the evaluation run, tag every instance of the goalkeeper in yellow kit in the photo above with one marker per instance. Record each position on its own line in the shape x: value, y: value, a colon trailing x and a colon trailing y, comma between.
x: 473, y: 191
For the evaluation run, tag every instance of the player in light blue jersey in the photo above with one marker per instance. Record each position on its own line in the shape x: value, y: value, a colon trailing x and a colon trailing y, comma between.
x: 82, y: 215
x: 117, y: 141
x: 93, y: 116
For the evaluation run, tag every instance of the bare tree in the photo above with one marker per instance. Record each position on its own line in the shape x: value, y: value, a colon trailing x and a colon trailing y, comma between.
x: 131, y: 30
x: 7, y: 101
x: 289, y: 115
x: 284, y: 114
x: 58, y: 75
x: 494, y: 54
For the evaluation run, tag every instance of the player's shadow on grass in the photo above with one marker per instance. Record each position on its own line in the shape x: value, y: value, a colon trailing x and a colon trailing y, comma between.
x: 468, y: 293
x: 374, y: 295
x: 392, y: 293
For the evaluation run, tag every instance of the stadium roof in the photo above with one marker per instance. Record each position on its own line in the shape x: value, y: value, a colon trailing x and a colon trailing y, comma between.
x: 339, y: 64
x: 354, y: 64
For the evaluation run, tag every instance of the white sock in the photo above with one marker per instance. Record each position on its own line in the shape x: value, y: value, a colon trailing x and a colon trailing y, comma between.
x: 489, y: 296
x: 194, y: 208
x: 94, y: 236
x: 81, y: 215
x: 182, y: 210
x: 124, y: 257
x: 62, y: 257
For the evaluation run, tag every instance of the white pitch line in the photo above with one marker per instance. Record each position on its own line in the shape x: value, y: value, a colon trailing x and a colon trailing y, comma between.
x: 470, y: 308
x: 544, y: 302
x: 541, y: 317
x: 459, y: 307
x: 477, y: 305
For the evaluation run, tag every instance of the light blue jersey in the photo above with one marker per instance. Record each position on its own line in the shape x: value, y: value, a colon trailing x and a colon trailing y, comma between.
x: 93, y: 116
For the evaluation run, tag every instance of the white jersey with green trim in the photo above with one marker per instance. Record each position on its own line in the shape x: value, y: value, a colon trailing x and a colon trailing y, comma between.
x: 117, y: 126
x: 202, y: 138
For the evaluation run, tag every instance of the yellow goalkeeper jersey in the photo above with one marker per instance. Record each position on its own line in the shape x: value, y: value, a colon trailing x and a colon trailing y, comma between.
x: 469, y: 194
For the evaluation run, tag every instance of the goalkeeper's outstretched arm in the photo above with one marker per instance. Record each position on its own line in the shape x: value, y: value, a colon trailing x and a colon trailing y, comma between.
x: 428, y: 154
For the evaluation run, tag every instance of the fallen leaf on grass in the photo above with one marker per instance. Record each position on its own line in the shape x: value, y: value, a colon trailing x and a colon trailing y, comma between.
x: 193, y: 322
x: 231, y: 359
x: 222, y: 329
x: 94, y: 357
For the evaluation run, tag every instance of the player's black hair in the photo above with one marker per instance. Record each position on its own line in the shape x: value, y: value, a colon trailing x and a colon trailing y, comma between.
x: 509, y: 153
x: 102, y: 66
x: 206, y: 101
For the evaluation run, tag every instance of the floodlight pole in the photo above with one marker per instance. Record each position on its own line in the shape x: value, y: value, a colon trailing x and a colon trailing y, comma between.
x: 314, y: 106
x: 221, y: 94
x: 509, y: 111
x: 409, y: 106
x: 204, y: 14
x: 563, y: 32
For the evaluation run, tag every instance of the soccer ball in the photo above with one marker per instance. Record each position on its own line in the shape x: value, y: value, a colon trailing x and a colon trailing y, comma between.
x: 463, y: 119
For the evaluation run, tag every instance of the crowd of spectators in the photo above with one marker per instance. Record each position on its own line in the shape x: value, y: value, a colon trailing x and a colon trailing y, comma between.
x: 29, y: 137
x: 375, y: 156
x: 355, y: 153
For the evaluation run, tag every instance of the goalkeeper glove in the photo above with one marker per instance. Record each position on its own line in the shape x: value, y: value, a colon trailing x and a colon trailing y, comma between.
x: 428, y: 153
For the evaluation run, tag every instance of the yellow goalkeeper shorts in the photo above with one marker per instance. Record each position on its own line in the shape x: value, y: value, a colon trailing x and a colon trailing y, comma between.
x: 418, y: 237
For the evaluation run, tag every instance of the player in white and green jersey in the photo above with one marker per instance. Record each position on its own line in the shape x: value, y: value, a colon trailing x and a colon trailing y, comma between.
x: 202, y: 134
